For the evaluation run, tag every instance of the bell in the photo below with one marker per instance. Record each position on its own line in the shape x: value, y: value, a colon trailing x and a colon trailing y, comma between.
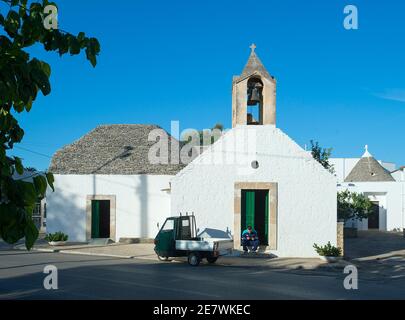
x: 254, y: 94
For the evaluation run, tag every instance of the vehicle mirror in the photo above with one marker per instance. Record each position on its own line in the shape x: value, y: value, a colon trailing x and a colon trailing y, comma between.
x: 157, y: 224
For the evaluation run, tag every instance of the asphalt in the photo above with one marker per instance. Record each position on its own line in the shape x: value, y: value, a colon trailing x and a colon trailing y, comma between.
x: 96, y: 277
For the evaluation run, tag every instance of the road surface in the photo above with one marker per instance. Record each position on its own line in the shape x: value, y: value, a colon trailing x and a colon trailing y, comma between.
x: 91, y: 277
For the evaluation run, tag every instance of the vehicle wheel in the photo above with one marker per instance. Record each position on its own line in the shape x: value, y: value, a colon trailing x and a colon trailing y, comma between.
x: 194, y: 259
x: 212, y: 259
x: 161, y: 258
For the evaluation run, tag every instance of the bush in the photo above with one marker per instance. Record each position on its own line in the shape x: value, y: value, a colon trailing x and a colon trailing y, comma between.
x: 328, y: 250
x: 57, y: 236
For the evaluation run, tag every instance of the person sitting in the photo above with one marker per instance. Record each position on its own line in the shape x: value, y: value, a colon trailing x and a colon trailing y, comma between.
x: 250, y: 239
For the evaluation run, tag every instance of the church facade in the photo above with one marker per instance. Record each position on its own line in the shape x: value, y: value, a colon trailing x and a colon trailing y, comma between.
x: 255, y: 174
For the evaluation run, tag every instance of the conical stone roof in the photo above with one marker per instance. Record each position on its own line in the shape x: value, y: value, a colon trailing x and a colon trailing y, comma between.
x: 253, y: 65
x: 368, y: 169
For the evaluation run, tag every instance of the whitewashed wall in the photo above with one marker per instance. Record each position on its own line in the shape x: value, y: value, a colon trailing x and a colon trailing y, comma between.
x: 306, y: 191
x: 399, y: 175
x: 140, y: 203
x: 391, y: 198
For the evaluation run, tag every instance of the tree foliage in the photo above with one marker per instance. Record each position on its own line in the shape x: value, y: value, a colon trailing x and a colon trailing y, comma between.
x: 322, y: 156
x: 352, y: 205
x: 22, y: 77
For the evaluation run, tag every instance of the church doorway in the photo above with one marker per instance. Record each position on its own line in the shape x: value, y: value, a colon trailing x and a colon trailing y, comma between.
x: 255, y: 213
x: 100, y: 219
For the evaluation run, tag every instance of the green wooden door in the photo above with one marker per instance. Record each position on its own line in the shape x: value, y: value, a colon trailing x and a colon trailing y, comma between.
x: 255, y: 213
x: 95, y: 219
x: 248, y: 209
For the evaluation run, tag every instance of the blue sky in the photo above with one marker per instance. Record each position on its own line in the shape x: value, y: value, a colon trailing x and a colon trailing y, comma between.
x: 174, y: 60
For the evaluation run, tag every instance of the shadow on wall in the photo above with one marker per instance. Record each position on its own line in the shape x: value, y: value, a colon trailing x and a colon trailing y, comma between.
x: 215, y: 233
x: 64, y: 215
x: 141, y: 191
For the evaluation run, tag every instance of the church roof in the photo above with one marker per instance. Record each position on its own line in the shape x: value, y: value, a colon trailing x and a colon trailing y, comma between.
x: 368, y: 169
x: 254, y: 64
x: 112, y: 149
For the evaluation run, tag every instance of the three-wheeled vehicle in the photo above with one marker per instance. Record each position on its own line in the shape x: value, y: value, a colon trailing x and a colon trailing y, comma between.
x: 178, y: 238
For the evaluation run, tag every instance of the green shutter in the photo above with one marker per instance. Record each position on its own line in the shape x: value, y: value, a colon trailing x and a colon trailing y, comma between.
x: 248, y: 209
x: 95, y: 219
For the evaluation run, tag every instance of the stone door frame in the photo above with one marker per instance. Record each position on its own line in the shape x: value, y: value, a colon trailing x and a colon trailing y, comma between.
x: 272, y: 187
x: 113, y: 219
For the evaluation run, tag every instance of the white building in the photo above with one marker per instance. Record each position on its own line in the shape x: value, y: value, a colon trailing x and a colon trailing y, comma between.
x: 382, y: 183
x: 106, y: 187
x: 254, y: 174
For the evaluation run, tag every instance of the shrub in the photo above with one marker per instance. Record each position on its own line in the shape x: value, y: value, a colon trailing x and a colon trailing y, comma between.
x: 57, y: 236
x: 328, y: 250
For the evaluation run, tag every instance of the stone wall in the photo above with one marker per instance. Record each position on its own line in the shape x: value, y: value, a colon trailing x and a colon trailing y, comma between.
x: 340, y: 236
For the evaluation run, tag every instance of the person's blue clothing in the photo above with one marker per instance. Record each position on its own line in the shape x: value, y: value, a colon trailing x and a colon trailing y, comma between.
x: 252, y: 235
x: 250, y: 240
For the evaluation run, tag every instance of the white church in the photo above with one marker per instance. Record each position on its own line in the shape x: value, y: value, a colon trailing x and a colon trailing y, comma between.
x: 255, y: 174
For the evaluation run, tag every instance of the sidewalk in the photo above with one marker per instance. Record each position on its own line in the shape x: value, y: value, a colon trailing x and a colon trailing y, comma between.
x: 145, y: 251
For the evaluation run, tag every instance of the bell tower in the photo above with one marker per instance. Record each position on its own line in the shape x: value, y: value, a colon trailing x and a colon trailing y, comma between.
x: 253, y: 94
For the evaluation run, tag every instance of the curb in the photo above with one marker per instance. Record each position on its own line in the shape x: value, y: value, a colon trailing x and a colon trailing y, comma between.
x: 94, y: 254
x: 76, y: 252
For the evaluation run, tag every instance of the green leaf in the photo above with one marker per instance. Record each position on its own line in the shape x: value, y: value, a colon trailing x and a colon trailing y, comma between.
x: 50, y: 178
x: 40, y: 185
x: 18, y: 165
x: 29, y: 192
x: 74, y: 45
x: 31, y: 234
x: 46, y: 68
x: 12, y: 23
x: 41, y: 80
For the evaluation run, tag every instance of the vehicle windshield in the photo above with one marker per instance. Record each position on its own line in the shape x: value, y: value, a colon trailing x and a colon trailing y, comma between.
x: 169, y: 225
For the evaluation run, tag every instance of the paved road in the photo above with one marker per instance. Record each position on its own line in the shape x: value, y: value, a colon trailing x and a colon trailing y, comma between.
x: 90, y: 277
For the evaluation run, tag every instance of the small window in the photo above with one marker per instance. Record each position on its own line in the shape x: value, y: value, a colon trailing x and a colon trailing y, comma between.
x: 185, y: 223
x: 37, y: 210
x: 169, y: 225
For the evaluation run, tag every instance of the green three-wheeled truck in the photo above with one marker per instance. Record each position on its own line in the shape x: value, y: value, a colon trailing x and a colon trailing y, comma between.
x: 178, y: 238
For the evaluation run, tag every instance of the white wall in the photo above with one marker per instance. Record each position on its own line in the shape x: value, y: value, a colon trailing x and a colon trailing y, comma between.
x: 140, y: 203
x: 391, y: 197
x: 399, y: 175
x: 307, y: 211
